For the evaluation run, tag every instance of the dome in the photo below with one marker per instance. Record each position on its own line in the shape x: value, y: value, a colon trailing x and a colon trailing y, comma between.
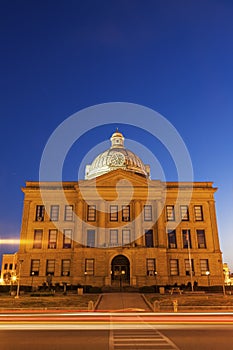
x: 116, y: 157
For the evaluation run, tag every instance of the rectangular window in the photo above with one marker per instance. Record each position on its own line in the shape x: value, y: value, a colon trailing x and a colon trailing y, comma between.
x: 65, y: 267
x: 37, y: 243
x: 189, y: 267
x: 172, y: 239
x: 150, y: 266
x: 147, y: 212
x: 67, y: 238
x: 125, y: 237
x: 35, y: 267
x: 52, y: 243
x: 149, y: 238
x: 174, y: 267
x: 204, y: 265
x: 50, y: 267
x: 125, y: 213
x: 5, y: 266
x: 113, y: 237
x: 201, y: 242
x: 91, y: 213
x: 198, y: 212
x: 10, y: 266
x: 170, y: 212
x: 90, y: 238
x: 40, y: 213
x: 89, y: 267
x: 186, y: 237
x: 69, y: 213
x: 113, y: 212
x: 184, y: 213
x: 54, y: 212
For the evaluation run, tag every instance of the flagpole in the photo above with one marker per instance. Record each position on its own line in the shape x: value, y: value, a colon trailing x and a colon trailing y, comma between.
x: 190, y: 261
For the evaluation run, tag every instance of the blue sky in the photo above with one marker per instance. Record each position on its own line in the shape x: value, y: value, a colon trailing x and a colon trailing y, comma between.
x: 58, y: 57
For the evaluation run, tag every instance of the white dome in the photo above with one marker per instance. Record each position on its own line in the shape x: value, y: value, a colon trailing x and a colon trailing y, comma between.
x: 116, y: 157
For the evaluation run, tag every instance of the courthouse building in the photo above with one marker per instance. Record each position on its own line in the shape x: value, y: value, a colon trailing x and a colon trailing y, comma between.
x: 118, y: 224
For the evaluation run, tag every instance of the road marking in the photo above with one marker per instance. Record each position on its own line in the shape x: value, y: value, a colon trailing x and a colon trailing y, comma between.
x: 139, y: 339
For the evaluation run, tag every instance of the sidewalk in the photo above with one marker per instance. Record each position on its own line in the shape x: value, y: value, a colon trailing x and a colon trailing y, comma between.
x: 122, y: 302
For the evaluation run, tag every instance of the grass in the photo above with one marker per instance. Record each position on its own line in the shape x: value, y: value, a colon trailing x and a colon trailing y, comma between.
x: 57, y: 301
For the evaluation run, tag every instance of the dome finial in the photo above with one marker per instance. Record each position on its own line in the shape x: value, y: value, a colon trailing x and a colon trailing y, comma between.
x: 117, y: 139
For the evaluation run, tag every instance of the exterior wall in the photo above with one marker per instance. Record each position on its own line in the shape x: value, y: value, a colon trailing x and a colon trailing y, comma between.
x: 102, y: 193
x: 9, y: 267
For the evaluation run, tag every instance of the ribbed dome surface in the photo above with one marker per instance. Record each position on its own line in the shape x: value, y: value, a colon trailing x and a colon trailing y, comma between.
x: 117, y: 156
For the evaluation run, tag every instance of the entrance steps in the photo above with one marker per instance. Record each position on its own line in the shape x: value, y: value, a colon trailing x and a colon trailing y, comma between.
x: 123, y: 289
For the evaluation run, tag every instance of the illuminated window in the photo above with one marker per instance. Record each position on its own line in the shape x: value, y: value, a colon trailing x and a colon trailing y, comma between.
x: 125, y: 213
x: 184, y: 212
x: 52, y: 243
x: 201, y: 242
x: 113, y: 212
x: 40, y: 213
x: 174, y: 267
x: 187, y: 264
x: 204, y: 266
x: 91, y: 213
x: 172, y: 239
x: 37, y: 243
x: 89, y: 266
x: 150, y: 267
x: 186, y: 236
x: 170, y: 212
x: 113, y: 237
x: 69, y: 213
x: 67, y: 238
x: 198, y: 212
x: 35, y: 266
x: 54, y: 212
x: 65, y: 267
x: 50, y: 267
x: 147, y: 213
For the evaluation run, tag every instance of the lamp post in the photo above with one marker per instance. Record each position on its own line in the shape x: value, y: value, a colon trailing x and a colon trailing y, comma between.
x: 17, y: 293
x: 208, y: 277
x: 155, y: 281
x: 33, y: 274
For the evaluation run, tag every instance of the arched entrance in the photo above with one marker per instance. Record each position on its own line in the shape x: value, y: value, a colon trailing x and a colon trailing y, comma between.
x: 120, y: 271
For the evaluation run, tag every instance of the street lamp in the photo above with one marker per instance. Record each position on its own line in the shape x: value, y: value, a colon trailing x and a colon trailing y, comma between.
x: 33, y: 274
x: 155, y: 281
x: 17, y: 293
x: 208, y: 277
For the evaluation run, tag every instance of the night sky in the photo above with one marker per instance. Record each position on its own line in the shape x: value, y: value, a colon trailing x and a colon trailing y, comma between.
x: 59, y: 57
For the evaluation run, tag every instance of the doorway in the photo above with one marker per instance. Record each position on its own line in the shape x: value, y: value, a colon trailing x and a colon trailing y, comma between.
x: 120, y: 268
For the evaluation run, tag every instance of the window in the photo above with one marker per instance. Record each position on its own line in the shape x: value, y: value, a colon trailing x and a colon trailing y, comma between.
x: 5, y: 266
x: 89, y: 267
x: 170, y: 212
x: 54, y: 212
x: 52, y: 243
x: 149, y: 238
x: 204, y: 265
x: 198, y: 212
x: 150, y: 267
x: 201, y: 242
x: 125, y: 237
x: 67, y: 238
x: 174, y: 267
x: 90, y: 238
x: 147, y: 213
x: 91, y: 213
x: 113, y: 212
x: 40, y: 213
x: 50, y: 267
x: 35, y: 266
x: 125, y: 213
x: 172, y: 239
x: 37, y: 243
x: 187, y: 263
x: 65, y: 267
x: 69, y: 213
x: 113, y: 237
x: 184, y: 212
x: 186, y: 237
x: 10, y: 266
